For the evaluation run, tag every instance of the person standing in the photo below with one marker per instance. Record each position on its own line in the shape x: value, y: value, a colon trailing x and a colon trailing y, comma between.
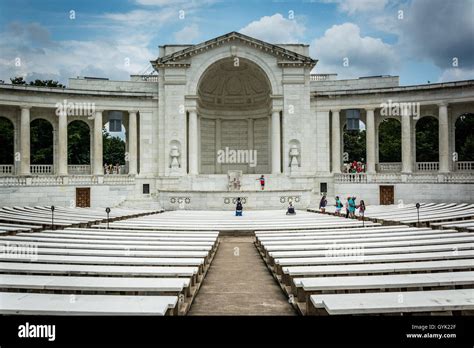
x: 347, y: 207
x: 361, y: 209
x: 238, y: 207
x: 262, y: 182
x: 352, y: 206
x: 322, y: 204
x: 338, y: 206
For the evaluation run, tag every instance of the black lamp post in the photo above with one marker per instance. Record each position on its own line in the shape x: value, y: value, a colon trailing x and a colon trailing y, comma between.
x: 418, y: 212
x: 107, y: 210
x: 52, y: 217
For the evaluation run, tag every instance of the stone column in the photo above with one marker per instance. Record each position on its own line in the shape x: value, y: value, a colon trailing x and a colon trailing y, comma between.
x: 132, y: 138
x: 62, y: 143
x: 370, y: 140
x: 25, y: 140
x: 443, y: 138
x: 98, y: 151
x: 276, y: 142
x: 406, y: 143
x: 193, y: 142
x: 336, y: 141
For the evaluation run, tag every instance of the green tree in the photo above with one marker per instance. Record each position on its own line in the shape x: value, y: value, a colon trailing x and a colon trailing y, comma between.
x: 41, y: 135
x: 427, y: 140
x: 390, y: 143
x: 6, y: 141
x: 78, y: 143
x: 465, y: 137
x: 114, y: 149
x: 354, y: 145
x: 19, y: 80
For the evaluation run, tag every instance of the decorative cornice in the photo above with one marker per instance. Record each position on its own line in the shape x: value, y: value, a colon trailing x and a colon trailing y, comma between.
x: 293, y: 58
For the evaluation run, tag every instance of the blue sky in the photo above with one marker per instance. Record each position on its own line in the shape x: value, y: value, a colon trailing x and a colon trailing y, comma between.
x: 419, y: 40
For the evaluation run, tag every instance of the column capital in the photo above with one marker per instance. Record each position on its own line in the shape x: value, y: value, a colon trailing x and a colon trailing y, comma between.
x: 335, y: 110
x: 192, y: 109
x: 370, y: 108
x: 275, y: 110
x: 26, y: 107
x: 442, y: 103
x: 132, y: 111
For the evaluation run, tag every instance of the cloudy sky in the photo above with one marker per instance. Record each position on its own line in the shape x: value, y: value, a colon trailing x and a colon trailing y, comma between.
x: 419, y: 40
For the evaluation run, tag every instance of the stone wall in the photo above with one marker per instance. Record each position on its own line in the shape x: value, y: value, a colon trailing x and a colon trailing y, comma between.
x: 408, y: 193
x: 101, y: 195
x: 360, y: 83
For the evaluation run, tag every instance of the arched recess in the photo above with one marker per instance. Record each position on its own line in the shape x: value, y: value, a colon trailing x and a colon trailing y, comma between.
x: 7, y: 141
x: 79, y: 147
x: 354, y: 146
x: 464, y: 137
x: 115, y: 142
x: 234, y: 107
x: 390, y: 140
x: 427, y: 139
x: 41, y: 146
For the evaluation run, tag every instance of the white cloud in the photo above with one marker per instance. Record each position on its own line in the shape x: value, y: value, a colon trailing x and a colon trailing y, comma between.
x: 456, y: 74
x: 187, y: 35
x: 275, y: 29
x: 366, y: 55
x: 59, y: 60
x: 359, y: 6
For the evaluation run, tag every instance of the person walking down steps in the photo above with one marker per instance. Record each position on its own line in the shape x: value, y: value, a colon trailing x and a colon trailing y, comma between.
x: 238, y: 207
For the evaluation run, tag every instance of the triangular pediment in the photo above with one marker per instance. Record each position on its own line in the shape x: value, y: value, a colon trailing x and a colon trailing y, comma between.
x: 285, y: 56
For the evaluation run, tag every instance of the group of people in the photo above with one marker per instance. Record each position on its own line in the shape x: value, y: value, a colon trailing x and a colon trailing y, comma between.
x: 111, y: 169
x: 239, y: 208
x: 355, y: 167
x: 350, y: 206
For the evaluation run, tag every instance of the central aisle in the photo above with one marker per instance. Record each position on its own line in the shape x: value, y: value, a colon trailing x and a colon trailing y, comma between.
x: 238, y: 283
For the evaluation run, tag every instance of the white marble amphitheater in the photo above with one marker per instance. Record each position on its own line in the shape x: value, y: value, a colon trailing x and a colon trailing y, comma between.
x: 200, y: 132
x: 237, y: 93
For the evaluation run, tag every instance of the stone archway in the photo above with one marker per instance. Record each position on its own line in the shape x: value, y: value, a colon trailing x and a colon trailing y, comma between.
x: 234, y: 109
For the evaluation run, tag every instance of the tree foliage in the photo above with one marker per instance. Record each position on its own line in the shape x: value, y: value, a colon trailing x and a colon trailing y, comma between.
x: 114, y: 149
x: 427, y: 140
x: 390, y: 142
x: 78, y: 143
x: 354, y: 145
x: 44, y: 83
x: 465, y: 137
x: 41, y: 137
x: 6, y: 141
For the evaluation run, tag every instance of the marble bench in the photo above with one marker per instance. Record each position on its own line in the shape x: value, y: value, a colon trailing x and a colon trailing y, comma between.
x: 392, y: 302
x: 39, y: 238
x: 133, y: 285
x: 324, y: 245
x: 304, y: 287
x: 375, y: 268
x: 363, y: 253
x: 55, y: 304
x: 343, y: 260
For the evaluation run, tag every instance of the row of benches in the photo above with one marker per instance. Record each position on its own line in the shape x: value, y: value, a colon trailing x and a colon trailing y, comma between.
x: 372, y: 270
x: 28, y: 219
x: 436, y: 214
x: 77, y: 271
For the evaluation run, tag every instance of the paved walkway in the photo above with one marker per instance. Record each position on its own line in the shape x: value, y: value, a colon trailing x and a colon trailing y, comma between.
x: 238, y: 283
